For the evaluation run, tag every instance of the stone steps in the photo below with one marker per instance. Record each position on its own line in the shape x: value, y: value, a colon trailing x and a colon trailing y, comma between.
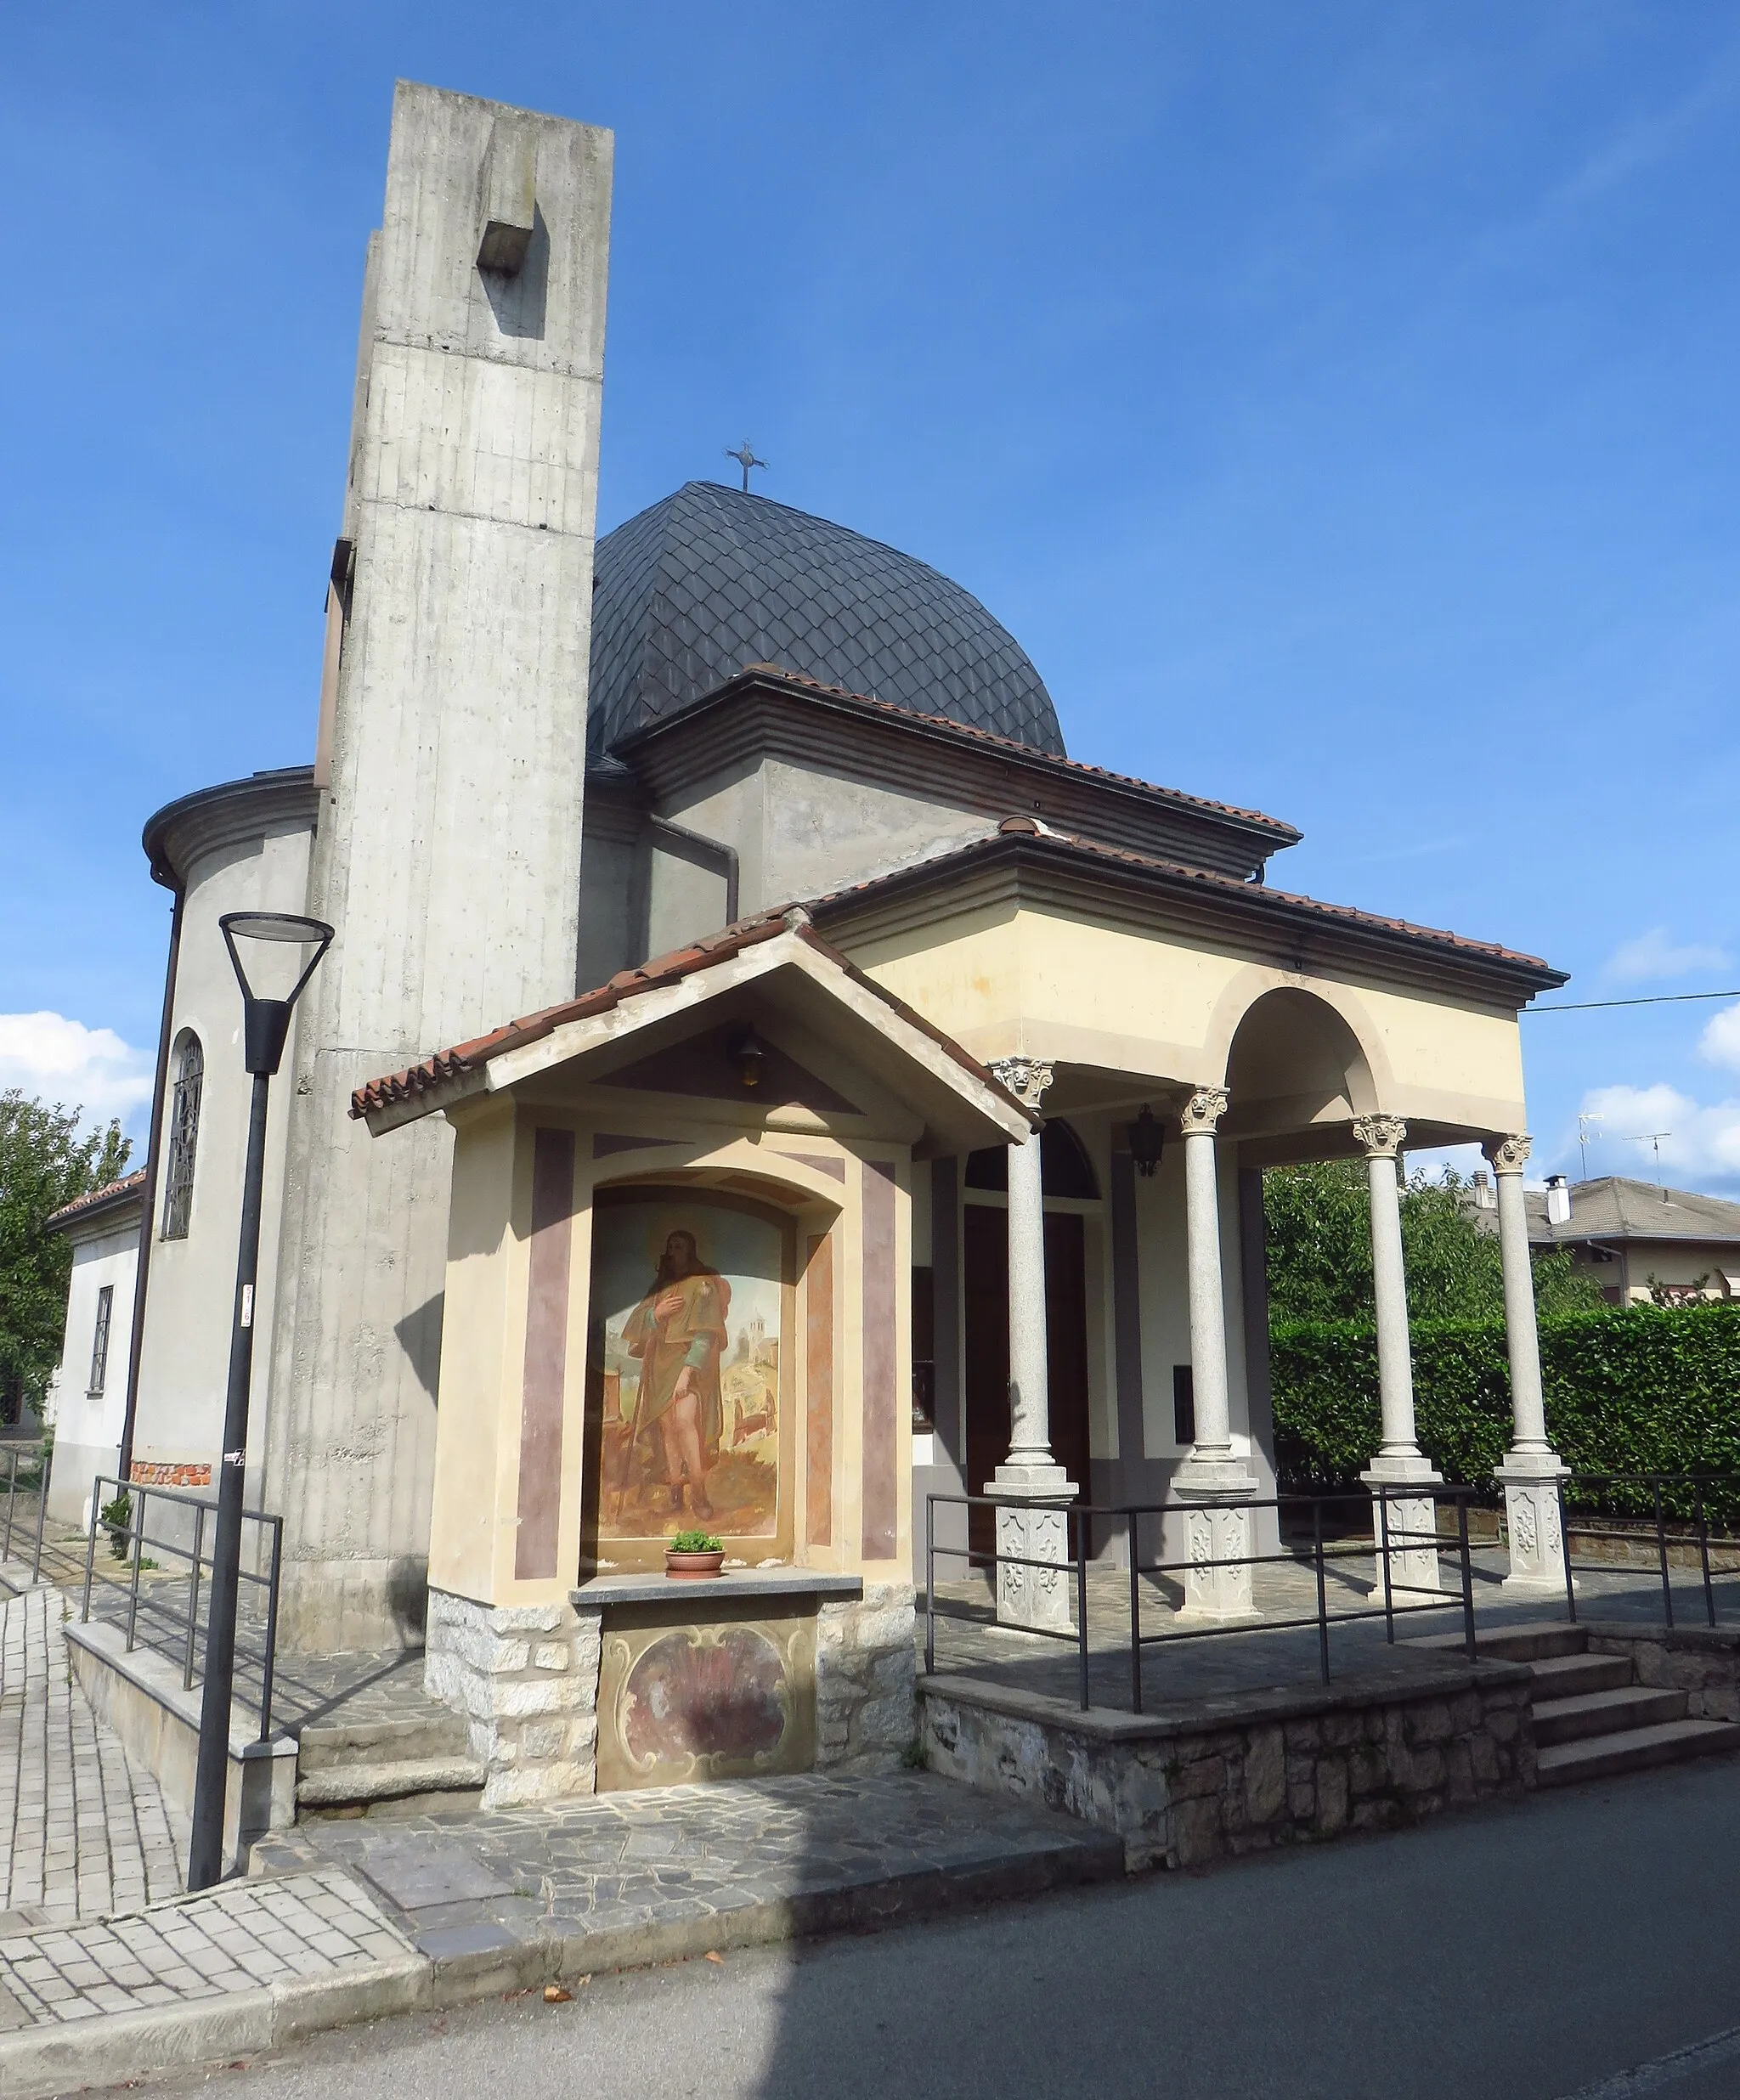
x: 413, y: 1762
x: 406, y: 1787
x: 1570, y: 1676
x: 1634, y: 1750
x: 1592, y: 1720
x: 1605, y: 1713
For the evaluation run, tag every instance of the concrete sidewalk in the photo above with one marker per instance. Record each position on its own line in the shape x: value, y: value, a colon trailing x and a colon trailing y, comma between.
x: 356, y: 1919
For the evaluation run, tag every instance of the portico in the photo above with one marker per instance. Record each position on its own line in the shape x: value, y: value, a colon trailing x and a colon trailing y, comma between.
x: 1257, y: 1029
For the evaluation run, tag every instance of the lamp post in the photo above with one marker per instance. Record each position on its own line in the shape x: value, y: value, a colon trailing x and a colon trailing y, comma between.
x: 265, y: 1027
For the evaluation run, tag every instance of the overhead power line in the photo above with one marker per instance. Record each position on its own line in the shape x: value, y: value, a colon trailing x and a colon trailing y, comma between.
x: 1592, y: 1006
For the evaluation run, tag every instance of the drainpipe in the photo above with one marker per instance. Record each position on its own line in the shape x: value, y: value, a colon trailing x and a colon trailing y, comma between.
x: 148, y: 1212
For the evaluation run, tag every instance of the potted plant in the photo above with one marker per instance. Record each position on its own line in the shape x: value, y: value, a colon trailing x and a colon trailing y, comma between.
x: 693, y: 1556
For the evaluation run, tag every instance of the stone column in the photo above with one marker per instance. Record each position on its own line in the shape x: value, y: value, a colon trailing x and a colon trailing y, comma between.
x: 1214, y: 1478
x: 1037, y: 1529
x: 1399, y: 1461
x: 1532, y: 1469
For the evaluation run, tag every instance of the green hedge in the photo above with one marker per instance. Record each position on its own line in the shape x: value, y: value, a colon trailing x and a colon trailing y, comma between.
x: 1647, y: 1389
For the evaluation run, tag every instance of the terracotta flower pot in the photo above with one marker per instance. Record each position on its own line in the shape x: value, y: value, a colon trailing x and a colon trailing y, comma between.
x: 693, y: 1567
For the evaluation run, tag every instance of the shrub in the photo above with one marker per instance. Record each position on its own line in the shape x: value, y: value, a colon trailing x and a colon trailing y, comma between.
x: 1645, y: 1389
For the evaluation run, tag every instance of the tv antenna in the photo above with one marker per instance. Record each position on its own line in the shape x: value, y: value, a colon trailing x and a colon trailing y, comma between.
x: 1653, y: 1138
x: 1584, y: 1125
x: 745, y: 457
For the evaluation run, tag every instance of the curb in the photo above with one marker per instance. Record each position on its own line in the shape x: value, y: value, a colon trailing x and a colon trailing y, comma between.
x: 38, y: 2063
x: 458, y: 1965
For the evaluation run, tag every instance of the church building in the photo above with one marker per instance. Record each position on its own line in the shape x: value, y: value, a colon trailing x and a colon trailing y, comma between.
x: 760, y: 1080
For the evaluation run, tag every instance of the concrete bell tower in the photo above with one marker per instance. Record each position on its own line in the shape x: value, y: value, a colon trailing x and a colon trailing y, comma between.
x: 450, y: 764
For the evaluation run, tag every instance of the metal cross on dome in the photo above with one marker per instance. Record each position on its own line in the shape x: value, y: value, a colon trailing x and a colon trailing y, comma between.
x: 745, y: 457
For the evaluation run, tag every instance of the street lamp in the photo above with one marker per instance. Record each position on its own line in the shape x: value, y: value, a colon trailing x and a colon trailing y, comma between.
x: 276, y: 943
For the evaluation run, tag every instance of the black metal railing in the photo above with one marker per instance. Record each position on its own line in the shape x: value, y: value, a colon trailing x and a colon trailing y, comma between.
x: 130, y: 1534
x: 1392, y: 1535
x: 1665, y: 1499
x: 28, y: 1469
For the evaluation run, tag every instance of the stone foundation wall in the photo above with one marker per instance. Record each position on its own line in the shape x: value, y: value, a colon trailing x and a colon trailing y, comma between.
x: 865, y: 1678
x: 525, y: 1678
x: 1183, y: 1791
x: 1703, y: 1662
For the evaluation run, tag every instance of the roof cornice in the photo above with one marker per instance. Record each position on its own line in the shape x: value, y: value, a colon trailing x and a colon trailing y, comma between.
x: 1024, y: 866
x: 105, y: 1206
x: 229, y: 814
x: 764, y: 708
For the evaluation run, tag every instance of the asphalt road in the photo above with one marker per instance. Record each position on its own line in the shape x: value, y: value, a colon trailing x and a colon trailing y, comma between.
x: 1529, y: 1952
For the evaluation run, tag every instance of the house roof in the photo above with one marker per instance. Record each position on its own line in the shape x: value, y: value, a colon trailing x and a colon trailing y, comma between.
x: 1028, y: 837
x: 118, y: 1195
x: 1616, y: 1208
x: 966, y: 735
x: 435, y: 1075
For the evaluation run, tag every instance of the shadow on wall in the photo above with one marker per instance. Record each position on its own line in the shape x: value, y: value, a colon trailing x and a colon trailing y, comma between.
x: 420, y: 1336
x: 407, y: 1598
x: 518, y: 302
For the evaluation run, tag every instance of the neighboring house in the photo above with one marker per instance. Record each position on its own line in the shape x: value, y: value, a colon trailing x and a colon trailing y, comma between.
x: 87, y: 1397
x: 1642, y: 1242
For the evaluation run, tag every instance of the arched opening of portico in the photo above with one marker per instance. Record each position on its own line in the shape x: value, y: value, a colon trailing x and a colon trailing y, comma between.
x: 1296, y: 1068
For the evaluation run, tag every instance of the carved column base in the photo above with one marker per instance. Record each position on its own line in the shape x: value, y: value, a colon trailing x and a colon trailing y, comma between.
x: 1411, y: 1568
x: 1531, y: 1486
x: 1214, y: 1593
x: 1039, y: 1531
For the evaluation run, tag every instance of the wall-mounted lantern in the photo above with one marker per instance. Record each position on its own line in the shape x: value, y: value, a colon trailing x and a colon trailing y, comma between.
x: 1146, y: 1138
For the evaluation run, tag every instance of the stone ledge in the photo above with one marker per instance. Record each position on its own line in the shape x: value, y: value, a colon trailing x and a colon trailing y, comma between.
x: 1712, y: 1640
x: 603, y: 1591
x: 160, y: 1680
x: 1196, y: 1717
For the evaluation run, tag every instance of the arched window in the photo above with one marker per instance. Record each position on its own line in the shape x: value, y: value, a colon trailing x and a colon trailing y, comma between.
x: 1063, y: 1162
x: 184, y: 1139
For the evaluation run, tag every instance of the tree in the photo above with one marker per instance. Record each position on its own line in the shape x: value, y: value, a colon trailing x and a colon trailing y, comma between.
x: 44, y: 1163
x: 1318, y: 1222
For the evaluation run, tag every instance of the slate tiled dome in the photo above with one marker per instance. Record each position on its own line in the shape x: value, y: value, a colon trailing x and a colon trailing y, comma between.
x: 709, y: 580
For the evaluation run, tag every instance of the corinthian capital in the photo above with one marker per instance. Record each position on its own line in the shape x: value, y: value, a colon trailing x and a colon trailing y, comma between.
x: 1203, y: 1111
x: 1510, y: 1155
x: 1382, y: 1135
x: 1027, y: 1078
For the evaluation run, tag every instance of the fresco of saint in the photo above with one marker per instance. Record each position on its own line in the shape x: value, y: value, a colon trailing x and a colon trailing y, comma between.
x: 678, y: 1333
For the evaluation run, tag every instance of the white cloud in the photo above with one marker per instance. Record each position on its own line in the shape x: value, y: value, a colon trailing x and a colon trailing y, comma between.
x: 1653, y: 955
x: 61, y: 1060
x: 1720, y: 1043
x: 1702, y: 1146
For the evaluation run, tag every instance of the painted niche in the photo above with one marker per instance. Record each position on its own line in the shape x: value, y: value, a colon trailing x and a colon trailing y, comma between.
x: 690, y: 1376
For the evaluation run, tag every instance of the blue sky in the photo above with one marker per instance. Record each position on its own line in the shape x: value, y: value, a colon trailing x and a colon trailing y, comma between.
x: 1337, y: 402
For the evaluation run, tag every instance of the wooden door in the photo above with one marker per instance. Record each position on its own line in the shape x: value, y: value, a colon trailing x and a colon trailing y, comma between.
x: 986, y: 1281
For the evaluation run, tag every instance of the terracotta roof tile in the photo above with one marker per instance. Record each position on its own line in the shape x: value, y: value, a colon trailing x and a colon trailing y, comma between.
x: 1285, y: 833
x: 1044, y: 836
x: 706, y: 952
x: 132, y: 1184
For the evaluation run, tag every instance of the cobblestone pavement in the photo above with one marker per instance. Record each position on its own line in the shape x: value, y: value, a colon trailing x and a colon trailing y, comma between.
x: 609, y: 1866
x: 83, y: 1831
x: 244, y: 1936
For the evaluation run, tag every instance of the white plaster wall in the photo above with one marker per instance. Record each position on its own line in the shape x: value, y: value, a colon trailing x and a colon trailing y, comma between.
x: 683, y: 900
x: 1162, y: 1257
x: 801, y: 832
x: 87, y: 1424
x: 184, y: 1361
x: 607, y: 935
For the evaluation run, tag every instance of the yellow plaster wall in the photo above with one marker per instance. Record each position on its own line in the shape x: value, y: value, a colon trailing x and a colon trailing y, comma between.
x: 477, y: 1468
x: 1090, y: 990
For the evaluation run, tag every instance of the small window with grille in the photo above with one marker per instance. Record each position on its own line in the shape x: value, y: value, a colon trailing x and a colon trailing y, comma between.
x: 183, y: 1139
x: 99, y: 1340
